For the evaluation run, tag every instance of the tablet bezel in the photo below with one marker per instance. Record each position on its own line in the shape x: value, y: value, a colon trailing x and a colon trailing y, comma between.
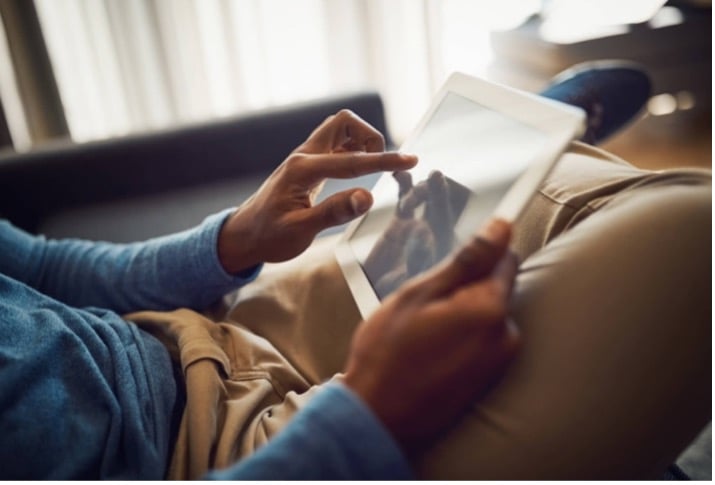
x: 560, y: 123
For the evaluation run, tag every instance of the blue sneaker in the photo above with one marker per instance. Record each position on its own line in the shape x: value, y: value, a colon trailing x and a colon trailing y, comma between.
x: 611, y: 92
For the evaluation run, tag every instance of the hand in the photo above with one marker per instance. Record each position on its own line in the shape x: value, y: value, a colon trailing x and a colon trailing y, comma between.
x: 280, y: 220
x: 439, y: 342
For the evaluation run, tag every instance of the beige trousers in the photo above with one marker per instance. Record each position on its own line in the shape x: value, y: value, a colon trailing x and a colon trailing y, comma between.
x: 613, y: 299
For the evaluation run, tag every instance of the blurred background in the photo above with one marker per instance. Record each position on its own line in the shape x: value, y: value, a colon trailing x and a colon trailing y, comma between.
x: 82, y: 70
x: 126, y: 119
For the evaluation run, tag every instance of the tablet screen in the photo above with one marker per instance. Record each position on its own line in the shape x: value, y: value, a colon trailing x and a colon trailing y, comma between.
x: 469, y: 157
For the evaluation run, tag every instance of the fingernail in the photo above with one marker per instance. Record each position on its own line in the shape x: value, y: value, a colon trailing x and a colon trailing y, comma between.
x: 496, y: 231
x: 408, y: 156
x: 360, y: 202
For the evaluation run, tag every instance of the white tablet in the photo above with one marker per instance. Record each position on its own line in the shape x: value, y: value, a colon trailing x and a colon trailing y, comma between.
x: 483, y: 149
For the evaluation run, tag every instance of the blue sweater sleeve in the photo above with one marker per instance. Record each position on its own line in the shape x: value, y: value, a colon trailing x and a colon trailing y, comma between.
x: 335, y: 437
x: 182, y: 269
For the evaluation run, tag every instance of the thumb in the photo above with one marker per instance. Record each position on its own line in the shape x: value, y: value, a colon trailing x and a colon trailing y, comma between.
x: 473, y: 261
x: 340, y: 208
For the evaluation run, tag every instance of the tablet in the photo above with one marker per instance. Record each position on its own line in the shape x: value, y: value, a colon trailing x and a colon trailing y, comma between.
x: 484, y: 150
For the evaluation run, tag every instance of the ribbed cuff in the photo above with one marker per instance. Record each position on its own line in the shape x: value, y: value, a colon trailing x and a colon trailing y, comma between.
x: 360, y: 433
x: 206, y: 263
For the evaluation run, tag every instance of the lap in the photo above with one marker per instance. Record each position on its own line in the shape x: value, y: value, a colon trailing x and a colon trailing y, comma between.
x: 613, y: 301
x: 304, y: 308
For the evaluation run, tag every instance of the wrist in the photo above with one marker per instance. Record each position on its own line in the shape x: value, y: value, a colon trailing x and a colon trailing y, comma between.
x: 235, y: 247
x: 366, y: 388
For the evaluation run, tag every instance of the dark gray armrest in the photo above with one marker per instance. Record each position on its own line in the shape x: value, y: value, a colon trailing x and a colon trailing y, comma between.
x: 39, y: 185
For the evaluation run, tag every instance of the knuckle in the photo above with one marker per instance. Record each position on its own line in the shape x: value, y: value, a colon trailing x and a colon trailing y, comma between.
x: 494, y: 314
x: 379, y: 138
x: 352, y: 166
x: 410, y: 290
x: 493, y: 290
x: 345, y: 114
x: 339, y: 210
x: 495, y: 303
x: 476, y: 259
x: 476, y: 251
x: 294, y: 161
x: 498, y: 313
x: 489, y: 310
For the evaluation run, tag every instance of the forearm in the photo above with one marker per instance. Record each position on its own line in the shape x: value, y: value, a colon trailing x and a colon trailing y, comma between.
x: 178, y: 270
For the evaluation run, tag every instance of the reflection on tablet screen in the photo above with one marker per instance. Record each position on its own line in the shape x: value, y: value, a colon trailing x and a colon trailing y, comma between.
x: 419, y: 234
x: 469, y: 157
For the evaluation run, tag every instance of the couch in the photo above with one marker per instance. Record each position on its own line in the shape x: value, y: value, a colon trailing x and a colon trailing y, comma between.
x: 140, y: 186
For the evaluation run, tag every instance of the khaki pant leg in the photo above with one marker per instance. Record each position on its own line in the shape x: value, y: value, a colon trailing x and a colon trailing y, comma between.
x: 585, y: 179
x: 614, y: 378
x: 304, y: 308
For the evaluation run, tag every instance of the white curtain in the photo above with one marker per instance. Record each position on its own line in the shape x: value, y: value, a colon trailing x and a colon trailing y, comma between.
x: 129, y: 65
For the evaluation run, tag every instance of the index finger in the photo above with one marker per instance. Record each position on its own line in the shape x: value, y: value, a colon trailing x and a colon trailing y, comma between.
x: 354, y: 164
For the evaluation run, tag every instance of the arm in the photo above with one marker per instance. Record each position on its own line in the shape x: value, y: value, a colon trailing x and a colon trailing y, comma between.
x: 178, y: 270
x: 196, y: 267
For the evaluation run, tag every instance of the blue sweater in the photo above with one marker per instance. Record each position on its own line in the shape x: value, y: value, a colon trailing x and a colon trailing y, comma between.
x: 83, y: 394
